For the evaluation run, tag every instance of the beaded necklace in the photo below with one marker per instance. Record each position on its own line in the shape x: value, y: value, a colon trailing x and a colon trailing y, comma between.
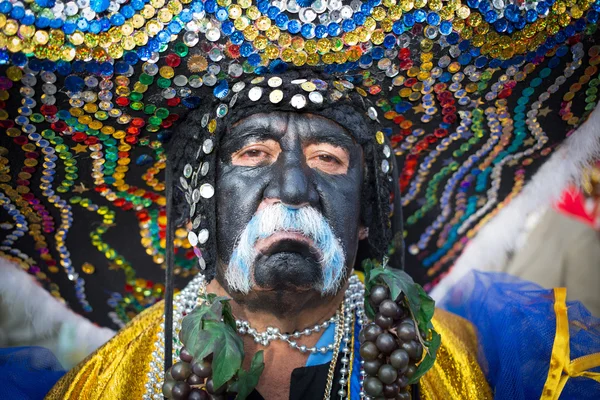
x: 188, y: 298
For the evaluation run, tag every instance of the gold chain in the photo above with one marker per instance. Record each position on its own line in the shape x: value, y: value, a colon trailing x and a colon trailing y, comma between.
x: 351, y: 355
x: 339, y: 332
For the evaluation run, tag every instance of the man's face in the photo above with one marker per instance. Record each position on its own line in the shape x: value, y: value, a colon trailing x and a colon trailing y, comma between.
x: 288, y: 204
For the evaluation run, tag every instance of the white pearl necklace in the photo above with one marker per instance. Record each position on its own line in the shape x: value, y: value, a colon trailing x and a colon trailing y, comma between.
x: 187, y: 299
x: 273, y: 334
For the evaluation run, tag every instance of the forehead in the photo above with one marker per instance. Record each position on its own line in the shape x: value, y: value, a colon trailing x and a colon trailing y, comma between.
x: 279, y: 123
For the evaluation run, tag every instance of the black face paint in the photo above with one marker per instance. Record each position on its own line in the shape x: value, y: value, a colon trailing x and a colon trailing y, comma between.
x: 241, y: 189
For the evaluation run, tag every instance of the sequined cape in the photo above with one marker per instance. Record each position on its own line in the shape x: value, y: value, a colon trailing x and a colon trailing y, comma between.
x: 118, y: 369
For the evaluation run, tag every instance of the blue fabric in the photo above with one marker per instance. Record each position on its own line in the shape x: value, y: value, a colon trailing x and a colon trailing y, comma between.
x: 516, y: 327
x: 27, y: 373
x: 326, y: 338
x: 355, y: 378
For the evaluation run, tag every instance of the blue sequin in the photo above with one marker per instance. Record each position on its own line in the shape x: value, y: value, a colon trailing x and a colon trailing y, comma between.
x: 501, y: 25
x: 278, y: 67
x: 127, y: 11
x: 452, y: 38
x: 17, y: 12
x: 398, y: 27
x: 445, y: 28
x: 512, y: 13
x: 308, y: 31
x: 5, y: 7
x: 29, y: 19
x: 221, y: 90
x: 282, y: 21
x: 74, y: 83
x: 228, y: 27
x: 484, y: 6
x: 82, y: 24
x: 293, y: 26
x: 420, y: 15
x: 237, y: 37
x: 254, y: 60
x: 333, y: 29
x: 377, y: 53
x: 221, y: 14
x: 99, y: 5
x: 263, y: 6
x: 19, y: 59
x: 389, y: 41
x: 359, y: 18
x: 4, y: 57
x: 69, y: 28
x: 210, y: 6
x: 273, y: 12
x: 246, y: 49
x: 45, y: 3
x: 433, y: 19
x: 131, y: 58
x: 320, y: 31
x: 348, y: 25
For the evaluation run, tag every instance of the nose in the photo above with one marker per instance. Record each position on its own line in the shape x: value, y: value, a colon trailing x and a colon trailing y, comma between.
x: 292, y: 182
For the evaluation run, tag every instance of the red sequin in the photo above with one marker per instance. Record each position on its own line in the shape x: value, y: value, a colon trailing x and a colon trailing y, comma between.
x: 173, y: 60
x: 79, y: 137
x: 173, y: 102
x: 122, y: 101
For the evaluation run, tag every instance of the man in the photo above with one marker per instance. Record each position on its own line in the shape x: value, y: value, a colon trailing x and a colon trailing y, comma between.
x: 284, y: 121
x: 296, y: 196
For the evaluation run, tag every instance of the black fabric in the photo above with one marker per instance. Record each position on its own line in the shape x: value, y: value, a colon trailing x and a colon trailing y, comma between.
x: 308, y: 383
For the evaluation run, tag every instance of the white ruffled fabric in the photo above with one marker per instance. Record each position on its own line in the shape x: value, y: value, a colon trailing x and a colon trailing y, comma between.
x: 30, y: 316
x: 491, y: 246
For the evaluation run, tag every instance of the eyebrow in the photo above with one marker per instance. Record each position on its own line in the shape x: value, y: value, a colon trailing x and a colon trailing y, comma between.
x: 333, y: 135
x: 344, y: 140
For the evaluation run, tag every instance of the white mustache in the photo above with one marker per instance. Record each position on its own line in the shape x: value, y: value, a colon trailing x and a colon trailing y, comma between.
x: 276, y: 218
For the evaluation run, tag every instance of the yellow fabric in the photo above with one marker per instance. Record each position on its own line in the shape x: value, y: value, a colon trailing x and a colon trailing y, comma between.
x: 561, y: 367
x: 456, y: 373
x: 118, y: 369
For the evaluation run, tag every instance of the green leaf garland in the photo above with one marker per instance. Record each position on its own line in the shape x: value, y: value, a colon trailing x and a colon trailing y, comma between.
x: 210, y: 329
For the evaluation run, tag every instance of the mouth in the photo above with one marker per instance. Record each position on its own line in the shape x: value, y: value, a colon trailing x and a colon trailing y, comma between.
x: 288, y: 242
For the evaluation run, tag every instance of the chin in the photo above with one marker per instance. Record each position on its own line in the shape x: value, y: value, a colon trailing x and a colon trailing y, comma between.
x: 283, y: 282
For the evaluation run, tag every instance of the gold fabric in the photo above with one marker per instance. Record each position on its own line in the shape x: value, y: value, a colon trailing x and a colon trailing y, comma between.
x: 456, y: 373
x: 118, y: 369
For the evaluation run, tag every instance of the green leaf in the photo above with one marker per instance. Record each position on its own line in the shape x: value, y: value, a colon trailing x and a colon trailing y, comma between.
x: 191, y: 330
x: 369, y: 310
x: 228, y: 353
x: 228, y: 315
x: 429, y: 358
x: 247, y: 380
x: 367, y: 265
x: 426, y: 310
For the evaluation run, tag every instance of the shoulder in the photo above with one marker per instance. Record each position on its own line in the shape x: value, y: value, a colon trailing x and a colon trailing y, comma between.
x: 118, y: 369
x: 456, y: 373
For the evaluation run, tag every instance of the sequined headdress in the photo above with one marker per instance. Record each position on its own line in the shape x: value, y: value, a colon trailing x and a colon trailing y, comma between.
x: 471, y: 97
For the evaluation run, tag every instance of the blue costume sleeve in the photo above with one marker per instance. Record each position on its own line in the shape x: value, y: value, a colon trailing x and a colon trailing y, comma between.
x: 27, y: 373
x: 517, y: 327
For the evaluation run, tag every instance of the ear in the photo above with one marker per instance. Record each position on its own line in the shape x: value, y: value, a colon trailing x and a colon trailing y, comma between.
x: 363, y: 233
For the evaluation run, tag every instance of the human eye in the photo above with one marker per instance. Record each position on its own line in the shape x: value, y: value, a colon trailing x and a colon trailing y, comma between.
x: 256, y: 154
x: 327, y: 158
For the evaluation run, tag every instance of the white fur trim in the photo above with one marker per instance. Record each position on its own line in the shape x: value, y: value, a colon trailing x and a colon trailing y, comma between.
x: 490, y: 247
x: 30, y: 316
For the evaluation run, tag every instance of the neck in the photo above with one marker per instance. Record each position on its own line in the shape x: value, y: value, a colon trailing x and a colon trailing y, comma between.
x: 297, y: 318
